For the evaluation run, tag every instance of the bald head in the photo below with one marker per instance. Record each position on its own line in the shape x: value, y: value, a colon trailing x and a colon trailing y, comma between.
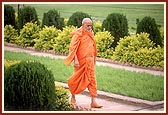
x: 87, y: 24
x: 86, y: 20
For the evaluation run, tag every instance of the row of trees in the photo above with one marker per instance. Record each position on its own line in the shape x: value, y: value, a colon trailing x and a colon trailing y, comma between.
x: 115, y: 23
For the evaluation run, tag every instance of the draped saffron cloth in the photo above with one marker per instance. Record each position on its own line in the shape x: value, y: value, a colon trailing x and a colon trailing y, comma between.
x: 84, y: 47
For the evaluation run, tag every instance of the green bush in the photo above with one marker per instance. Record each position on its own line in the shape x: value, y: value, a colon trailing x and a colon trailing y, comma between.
x: 29, y: 86
x: 150, y: 57
x: 117, y: 25
x: 148, y: 25
x: 27, y: 14
x: 9, y: 16
x: 130, y: 44
x: 28, y: 33
x: 104, y: 42
x: 162, y: 34
x: 140, y: 50
x: 62, y: 42
x: 46, y: 38
x: 97, y: 25
x: 10, y: 34
x: 53, y: 18
x: 76, y: 19
x: 62, y: 99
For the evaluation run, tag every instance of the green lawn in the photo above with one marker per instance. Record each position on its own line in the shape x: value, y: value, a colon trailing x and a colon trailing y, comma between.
x: 119, y: 81
x: 101, y: 11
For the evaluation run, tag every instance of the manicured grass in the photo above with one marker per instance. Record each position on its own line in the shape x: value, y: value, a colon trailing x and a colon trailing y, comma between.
x: 119, y: 81
x: 101, y: 11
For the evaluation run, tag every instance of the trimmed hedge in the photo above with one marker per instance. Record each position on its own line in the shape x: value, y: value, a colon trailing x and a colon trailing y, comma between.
x: 29, y: 86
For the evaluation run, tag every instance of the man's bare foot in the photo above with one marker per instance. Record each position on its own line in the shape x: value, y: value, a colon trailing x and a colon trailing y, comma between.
x: 95, y: 105
x: 73, y: 100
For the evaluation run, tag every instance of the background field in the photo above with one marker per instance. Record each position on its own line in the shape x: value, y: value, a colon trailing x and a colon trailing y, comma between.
x: 101, y: 11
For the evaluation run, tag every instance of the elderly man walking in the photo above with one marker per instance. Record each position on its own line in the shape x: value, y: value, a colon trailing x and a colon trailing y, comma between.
x: 83, y: 53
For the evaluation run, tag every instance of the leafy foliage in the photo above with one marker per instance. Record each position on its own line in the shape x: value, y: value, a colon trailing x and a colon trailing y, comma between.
x: 148, y: 25
x: 62, y: 99
x: 150, y: 57
x: 97, y: 26
x: 76, y: 19
x: 104, y: 42
x: 53, y: 18
x: 10, y: 34
x: 28, y: 33
x: 62, y: 41
x: 117, y: 25
x: 46, y: 38
x: 140, y: 50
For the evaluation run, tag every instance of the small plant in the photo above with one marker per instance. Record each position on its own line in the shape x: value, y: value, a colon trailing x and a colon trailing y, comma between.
x: 62, y: 99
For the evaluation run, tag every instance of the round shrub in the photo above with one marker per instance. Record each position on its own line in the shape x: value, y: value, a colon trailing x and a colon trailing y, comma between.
x: 53, y: 18
x: 27, y: 14
x: 29, y: 86
x: 128, y: 45
x: 9, y: 15
x: 10, y: 34
x: 46, y: 38
x: 148, y: 25
x: 104, y: 42
x: 62, y: 42
x: 76, y: 19
x: 117, y: 25
x: 28, y: 33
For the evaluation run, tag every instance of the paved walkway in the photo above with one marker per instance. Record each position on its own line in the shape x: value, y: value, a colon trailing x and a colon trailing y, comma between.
x: 111, y: 102
x: 32, y: 52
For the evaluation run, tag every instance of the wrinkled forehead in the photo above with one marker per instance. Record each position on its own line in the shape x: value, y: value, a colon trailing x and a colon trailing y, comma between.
x: 89, y: 23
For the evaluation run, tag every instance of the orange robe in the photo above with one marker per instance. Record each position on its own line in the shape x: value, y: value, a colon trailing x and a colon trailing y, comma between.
x: 84, y: 47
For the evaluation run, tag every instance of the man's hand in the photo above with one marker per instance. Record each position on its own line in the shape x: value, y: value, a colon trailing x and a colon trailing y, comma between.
x: 76, y: 62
